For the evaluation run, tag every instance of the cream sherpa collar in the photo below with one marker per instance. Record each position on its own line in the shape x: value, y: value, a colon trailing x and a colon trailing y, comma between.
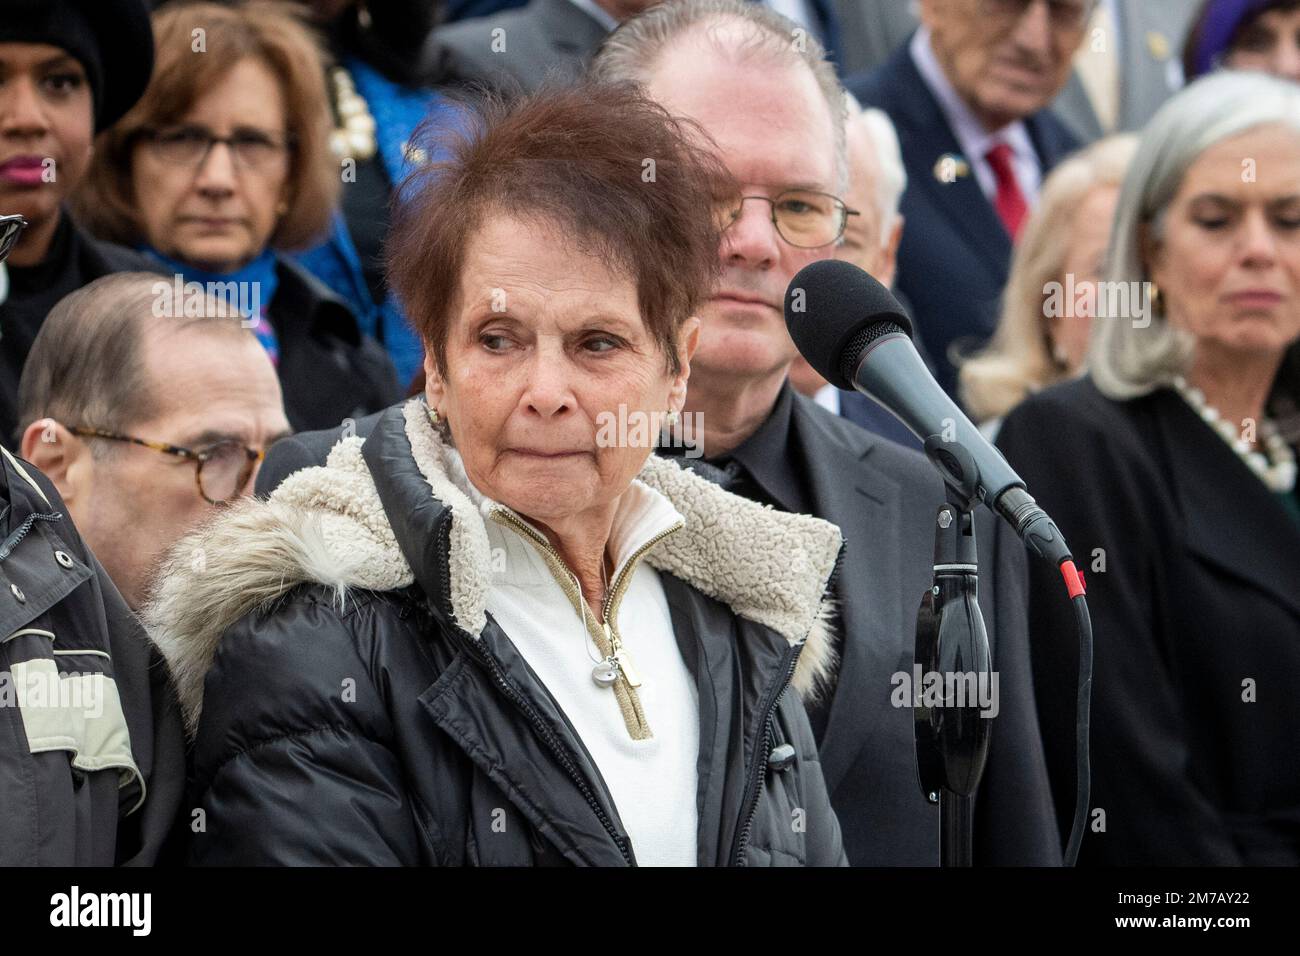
x: 326, y: 525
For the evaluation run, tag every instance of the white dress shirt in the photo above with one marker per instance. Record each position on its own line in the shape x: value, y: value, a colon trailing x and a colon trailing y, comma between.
x: 828, y: 397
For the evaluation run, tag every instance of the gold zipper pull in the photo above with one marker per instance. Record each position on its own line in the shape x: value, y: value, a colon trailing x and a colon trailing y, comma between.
x: 625, y: 665
x: 620, y: 656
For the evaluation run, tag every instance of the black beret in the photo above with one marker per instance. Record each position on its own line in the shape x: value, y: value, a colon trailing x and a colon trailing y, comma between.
x: 112, y: 39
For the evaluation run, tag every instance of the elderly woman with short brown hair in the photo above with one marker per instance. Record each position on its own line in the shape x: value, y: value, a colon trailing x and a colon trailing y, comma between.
x: 223, y: 167
x: 499, y: 631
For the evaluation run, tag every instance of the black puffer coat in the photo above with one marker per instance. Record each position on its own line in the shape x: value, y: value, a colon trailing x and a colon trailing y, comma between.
x: 359, y: 706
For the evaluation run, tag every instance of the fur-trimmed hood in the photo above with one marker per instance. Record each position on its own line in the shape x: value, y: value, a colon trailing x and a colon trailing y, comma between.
x: 331, y: 526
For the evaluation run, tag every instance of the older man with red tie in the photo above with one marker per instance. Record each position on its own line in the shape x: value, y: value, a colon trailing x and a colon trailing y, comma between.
x: 969, y: 94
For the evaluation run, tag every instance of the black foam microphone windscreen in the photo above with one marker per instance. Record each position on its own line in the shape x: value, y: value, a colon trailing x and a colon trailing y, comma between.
x: 849, y: 309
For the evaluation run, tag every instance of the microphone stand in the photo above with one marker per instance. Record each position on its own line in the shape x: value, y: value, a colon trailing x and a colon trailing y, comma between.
x: 952, y: 742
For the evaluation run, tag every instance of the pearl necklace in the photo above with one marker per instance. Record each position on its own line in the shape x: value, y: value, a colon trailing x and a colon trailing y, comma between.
x: 355, y: 139
x: 1276, y: 466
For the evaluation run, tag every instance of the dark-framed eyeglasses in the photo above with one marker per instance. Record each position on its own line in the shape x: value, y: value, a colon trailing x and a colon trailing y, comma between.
x: 804, y: 218
x: 222, y: 469
x: 187, y: 145
x: 1067, y: 15
x: 11, y: 227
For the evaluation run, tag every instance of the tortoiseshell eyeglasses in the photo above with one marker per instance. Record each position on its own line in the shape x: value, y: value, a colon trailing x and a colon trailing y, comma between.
x: 222, y: 469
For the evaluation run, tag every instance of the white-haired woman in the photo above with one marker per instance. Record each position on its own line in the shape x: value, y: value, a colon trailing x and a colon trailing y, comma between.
x: 1051, y: 295
x: 1176, y: 490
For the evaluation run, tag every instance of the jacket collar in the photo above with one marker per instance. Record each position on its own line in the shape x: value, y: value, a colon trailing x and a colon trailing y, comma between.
x: 768, y: 566
x: 385, y: 513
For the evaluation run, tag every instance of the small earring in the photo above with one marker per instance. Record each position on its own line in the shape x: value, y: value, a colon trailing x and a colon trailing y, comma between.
x: 433, y: 416
x: 672, y: 417
x: 1155, y: 298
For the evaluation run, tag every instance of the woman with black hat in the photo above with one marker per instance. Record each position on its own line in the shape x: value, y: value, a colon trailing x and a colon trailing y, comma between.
x: 68, y: 69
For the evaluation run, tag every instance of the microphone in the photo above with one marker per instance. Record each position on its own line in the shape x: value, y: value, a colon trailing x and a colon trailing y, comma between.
x: 852, y: 330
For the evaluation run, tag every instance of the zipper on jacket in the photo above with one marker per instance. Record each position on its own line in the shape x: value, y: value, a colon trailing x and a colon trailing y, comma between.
x: 479, y: 652
x: 614, y: 599
x: 760, y: 759
x: 606, y: 636
x: 756, y: 782
x: 552, y: 742
x: 20, y: 532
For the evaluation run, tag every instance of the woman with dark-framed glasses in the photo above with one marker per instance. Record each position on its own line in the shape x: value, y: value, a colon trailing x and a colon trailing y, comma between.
x: 224, y: 167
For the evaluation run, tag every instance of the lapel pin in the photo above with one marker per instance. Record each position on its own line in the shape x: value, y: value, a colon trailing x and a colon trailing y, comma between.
x: 950, y: 167
x: 1158, y: 44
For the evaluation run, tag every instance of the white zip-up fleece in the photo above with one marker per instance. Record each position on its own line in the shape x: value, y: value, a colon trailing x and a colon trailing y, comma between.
x: 653, y: 782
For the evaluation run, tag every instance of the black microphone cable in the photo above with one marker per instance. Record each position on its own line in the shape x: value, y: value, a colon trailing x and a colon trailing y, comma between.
x: 836, y: 314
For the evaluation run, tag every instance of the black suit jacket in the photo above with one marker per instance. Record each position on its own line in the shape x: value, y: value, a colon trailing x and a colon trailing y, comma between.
x: 329, y: 369
x: 1197, y: 610
x: 884, y: 498
x: 955, y: 254
x: 871, y: 415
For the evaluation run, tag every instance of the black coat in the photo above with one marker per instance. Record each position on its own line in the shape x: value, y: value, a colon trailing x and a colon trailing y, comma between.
x: 884, y: 497
x: 329, y: 369
x: 74, y: 259
x: 451, y: 751
x: 98, y: 779
x: 1197, y: 610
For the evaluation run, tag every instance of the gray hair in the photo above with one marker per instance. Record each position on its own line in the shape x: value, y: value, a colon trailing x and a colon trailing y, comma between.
x: 1129, y: 358
x: 86, y: 366
x: 891, y: 178
x: 892, y: 181
x: 630, y: 52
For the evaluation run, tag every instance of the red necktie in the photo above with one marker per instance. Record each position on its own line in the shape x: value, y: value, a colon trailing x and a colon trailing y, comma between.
x: 1010, y: 202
